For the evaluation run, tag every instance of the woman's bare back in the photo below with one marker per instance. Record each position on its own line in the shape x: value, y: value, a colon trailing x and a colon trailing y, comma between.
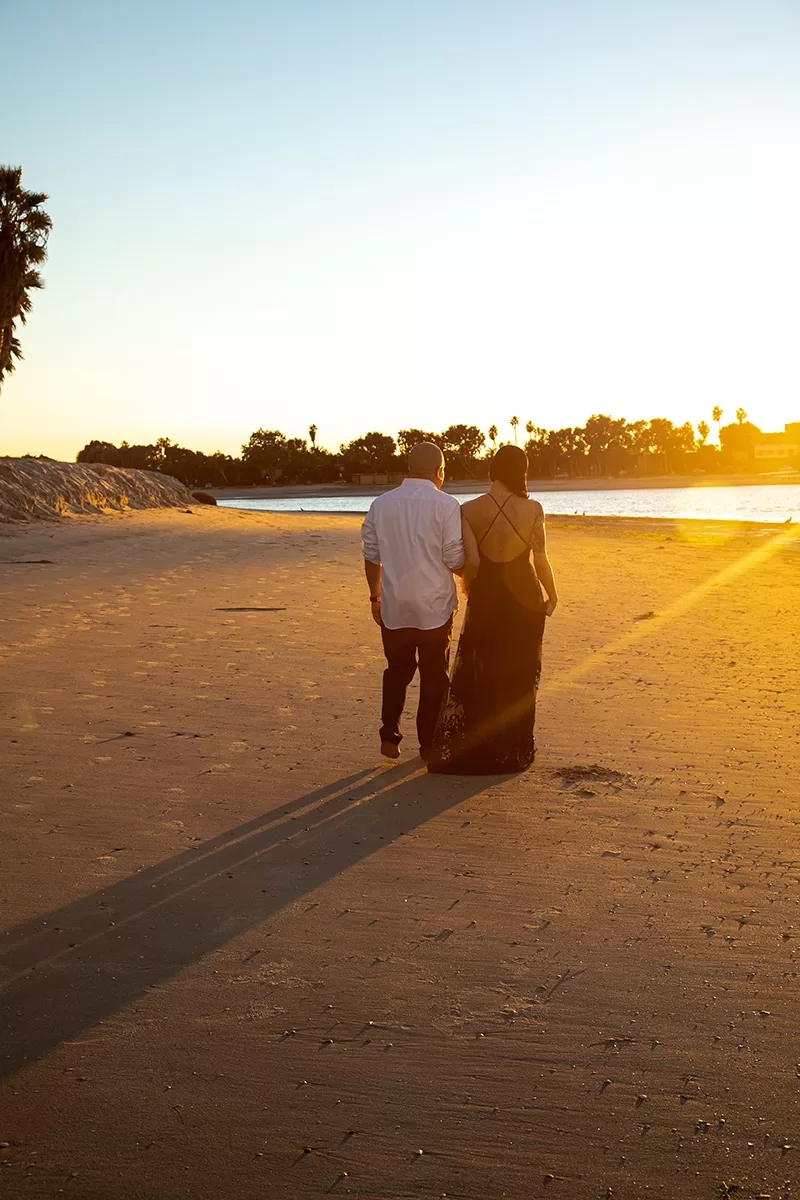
x: 504, y: 524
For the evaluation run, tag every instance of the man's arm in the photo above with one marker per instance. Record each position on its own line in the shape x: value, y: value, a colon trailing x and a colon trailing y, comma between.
x: 373, y: 572
x: 372, y: 564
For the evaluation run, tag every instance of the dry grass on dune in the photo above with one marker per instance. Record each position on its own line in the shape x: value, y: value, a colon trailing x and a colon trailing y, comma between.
x: 31, y: 489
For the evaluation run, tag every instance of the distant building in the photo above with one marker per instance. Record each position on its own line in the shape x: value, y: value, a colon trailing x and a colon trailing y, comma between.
x: 778, y: 451
x: 379, y: 480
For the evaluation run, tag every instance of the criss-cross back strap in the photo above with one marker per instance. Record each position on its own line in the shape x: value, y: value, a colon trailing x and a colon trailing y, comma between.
x: 500, y: 508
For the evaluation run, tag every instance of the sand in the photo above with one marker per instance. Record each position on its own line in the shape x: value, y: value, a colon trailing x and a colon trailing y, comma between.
x: 243, y: 957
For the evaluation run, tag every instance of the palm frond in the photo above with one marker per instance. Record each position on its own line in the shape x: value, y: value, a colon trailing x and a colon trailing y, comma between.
x: 24, y: 230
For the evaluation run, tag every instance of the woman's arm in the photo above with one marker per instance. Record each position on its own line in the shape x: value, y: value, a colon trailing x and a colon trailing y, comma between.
x: 471, y: 556
x: 542, y: 563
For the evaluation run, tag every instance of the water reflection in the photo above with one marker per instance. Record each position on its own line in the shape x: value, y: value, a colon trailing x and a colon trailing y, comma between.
x: 759, y: 502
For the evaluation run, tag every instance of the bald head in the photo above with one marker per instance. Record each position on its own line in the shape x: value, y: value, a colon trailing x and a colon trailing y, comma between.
x: 426, y: 461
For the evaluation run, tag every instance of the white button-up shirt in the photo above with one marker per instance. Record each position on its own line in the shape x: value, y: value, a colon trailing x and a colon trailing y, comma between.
x: 414, y: 532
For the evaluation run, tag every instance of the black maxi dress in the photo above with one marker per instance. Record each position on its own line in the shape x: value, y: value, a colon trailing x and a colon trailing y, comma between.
x: 486, y: 725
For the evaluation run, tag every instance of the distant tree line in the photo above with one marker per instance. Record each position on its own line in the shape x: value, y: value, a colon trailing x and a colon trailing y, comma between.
x: 613, y: 446
x: 269, y: 457
x: 603, y: 447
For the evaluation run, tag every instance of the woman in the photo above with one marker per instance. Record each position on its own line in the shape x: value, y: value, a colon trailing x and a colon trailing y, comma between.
x: 486, y: 726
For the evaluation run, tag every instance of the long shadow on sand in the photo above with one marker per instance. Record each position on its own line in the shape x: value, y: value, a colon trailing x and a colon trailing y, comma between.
x: 72, y: 967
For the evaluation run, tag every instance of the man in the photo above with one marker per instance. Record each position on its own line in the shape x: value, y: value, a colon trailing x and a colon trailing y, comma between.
x: 412, y: 545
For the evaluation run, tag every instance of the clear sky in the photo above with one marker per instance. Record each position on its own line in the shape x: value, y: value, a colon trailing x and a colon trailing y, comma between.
x: 374, y: 214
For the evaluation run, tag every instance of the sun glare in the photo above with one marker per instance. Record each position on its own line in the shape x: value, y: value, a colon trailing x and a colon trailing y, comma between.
x: 653, y: 624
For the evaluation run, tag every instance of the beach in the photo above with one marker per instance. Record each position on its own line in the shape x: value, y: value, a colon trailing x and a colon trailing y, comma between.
x: 244, y: 956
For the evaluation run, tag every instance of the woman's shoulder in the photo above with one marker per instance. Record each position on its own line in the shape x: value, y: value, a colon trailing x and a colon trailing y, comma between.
x: 525, y: 504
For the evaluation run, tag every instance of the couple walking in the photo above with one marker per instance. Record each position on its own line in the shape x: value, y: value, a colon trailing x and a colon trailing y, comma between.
x: 415, y: 539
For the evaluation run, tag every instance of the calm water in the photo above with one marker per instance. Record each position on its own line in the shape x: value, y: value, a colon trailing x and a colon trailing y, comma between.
x: 762, y: 502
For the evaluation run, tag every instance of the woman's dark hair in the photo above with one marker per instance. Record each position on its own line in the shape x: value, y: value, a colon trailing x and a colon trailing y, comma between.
x: 510, y: 466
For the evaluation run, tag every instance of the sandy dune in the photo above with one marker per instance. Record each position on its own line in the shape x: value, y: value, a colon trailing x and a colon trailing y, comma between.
x: 39, y: 489
x: 242, y: 957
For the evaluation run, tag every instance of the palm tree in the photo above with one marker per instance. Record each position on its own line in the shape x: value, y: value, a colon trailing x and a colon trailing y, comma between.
x: 703, y: 430
x: 24, y: 229
x: 716, y: 417
x: 741, y: 416
x: 312, y: 433
x: 514, y: 424
x: 493, y: 436
x: 529, y: 428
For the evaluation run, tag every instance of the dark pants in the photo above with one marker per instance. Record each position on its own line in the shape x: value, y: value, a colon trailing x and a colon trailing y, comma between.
x: 406, y: 649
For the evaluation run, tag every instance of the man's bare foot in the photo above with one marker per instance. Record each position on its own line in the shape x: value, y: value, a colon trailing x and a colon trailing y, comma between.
x: 389, y: 750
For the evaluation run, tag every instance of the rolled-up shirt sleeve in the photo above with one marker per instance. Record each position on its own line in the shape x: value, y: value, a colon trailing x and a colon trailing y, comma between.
x: 369, y: 539
x: 452, y: 543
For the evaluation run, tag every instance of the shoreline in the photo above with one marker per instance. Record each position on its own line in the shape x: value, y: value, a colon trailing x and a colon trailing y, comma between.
x: 96, y: 526
x: 732, y: 526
